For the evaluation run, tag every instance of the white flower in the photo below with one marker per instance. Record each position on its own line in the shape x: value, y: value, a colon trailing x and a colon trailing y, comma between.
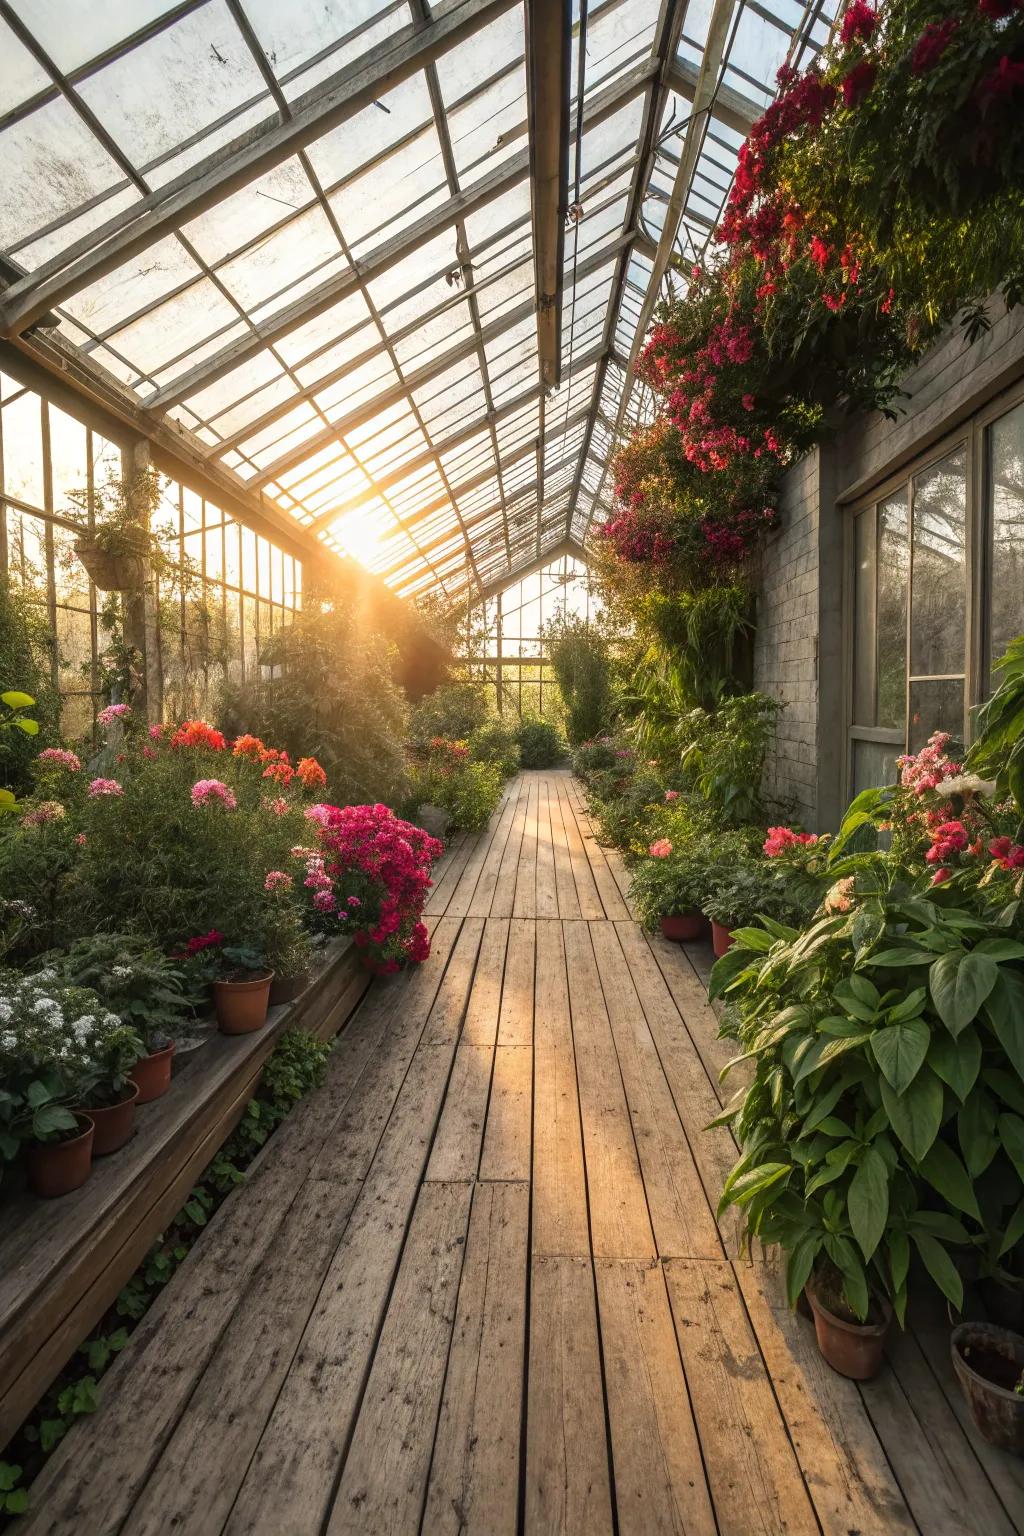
x: 966, y: 784
x: 8, y: 1041
x: 47, y: 974
x: 121, y: 970
x: 6, y: 1011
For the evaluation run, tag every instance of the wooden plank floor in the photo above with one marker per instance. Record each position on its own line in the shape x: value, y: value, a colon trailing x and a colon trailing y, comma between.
x: 475, y: 1283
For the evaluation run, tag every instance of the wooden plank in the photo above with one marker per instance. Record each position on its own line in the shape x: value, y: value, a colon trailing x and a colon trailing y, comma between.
x: 930, y: 1327
x: 714, y: 1151
x: 384, y: 1482
x: 458, y: 857
x: 755, y: 1480
x: 474, y: 1475
x: 567, y: 1485
x: 612, y: 903
x: 506, y: 880
x: 844, y: 1464
x: 487, y: 883
x: 619, y: 1222
x: 525, y: 900
x: 939, y: 1475
x: 659, y: 1477
x: 462, y: 896
x: 444, y: 1024
x: 507, y: 1149
x: 683, y: 1222
x: 560, y: 1224
x: 288, y: 1487
x: 194, y: 1482
x: 481, y: 1022
x: 565, y: 884
x: 701, y: 1020
x: 590, y: 902
x: 547, y: 892
x: 146, y: 1387
x: 515, y: 1022
x: 702, y: 957
x: 456, y: 1150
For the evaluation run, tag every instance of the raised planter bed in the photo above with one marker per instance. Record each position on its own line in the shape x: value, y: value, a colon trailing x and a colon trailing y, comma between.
x: 63, y: 1262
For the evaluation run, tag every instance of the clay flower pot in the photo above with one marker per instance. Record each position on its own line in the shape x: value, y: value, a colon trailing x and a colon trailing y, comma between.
x: 988, y: 1361
x: 241, y: 1006
x: 152, y: 1074
x: 285, y: 989
x: 57, y: 1167
x: 687, y: 926
x: 114, y: 1123
x: 852, y: 1349
x: 721, y: 938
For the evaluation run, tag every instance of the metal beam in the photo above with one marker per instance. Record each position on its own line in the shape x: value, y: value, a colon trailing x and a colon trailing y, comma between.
x: 548, y: 57
x: 731, y: 106
x: 459, y: 353
x: 546, y: 557
x: 182, y: 199
x: 510, y: 173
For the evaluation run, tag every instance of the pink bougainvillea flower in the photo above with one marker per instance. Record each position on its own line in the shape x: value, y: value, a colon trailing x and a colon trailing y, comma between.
x: 858, y: 23
x: 58, y: 757
x: 204, y: 790
x: 932, y: 44
x: 100, y: 787
x: 660, y: 849
x: 671, y: 794
x: 858, y: 83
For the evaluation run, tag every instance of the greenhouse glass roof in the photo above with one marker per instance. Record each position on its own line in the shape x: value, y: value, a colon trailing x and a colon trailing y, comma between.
x: 370, y: 258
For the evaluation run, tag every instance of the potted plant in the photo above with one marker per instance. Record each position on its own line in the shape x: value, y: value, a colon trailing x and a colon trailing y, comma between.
x: 291, y: 957
x: 47, y: 1037
x: 108, y: 1093
x: 239, y: 978
x: 853, y: 1345
x: 738, y: 894
x: 668, y: 889
x: 118, y: 545
x: 147, y: 991
x: 989, y: 1363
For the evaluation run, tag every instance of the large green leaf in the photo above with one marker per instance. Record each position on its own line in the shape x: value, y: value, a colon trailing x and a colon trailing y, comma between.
x: 959, y: 982
x: 1014, y: 1232
x: 16, y: 700
x: 826, y: 1049
x: 957, y: 1061
x: 900, y: 1050
x: 901, y: 957
x: 1011, y: 1134
x: 867, y: 1202
x: 976, y: 1129
x: 946, y: 1173
x: 799, y: 1266
x: 941, y: 1268
x: 916, y: 1115
x: 1004, y: 1008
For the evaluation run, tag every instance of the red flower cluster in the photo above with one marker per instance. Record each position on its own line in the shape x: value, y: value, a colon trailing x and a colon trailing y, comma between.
x: 200, y: 942
x: 858, y: 82
x: 781, y: 839
x: 948, y: 837
x: 1007, y: 854
x: 196, y: 733
x: 389, y: 860
x: 932, y: 44
x: 858, y: 23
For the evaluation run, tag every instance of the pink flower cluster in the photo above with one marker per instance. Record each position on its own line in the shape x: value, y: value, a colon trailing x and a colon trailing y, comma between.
x: 204, y: 790
x: 278, y: 880
x: 389, y: 860
x: 58, y: 757
x: 671, y: 794
x: 948, y: 838
x: 113, y: 712
x: 1007, y: 854
x: 660, y: 849
x: 49, y: 810
x: 100, y: 787
x: 927, y: 769
x: 781, y: 839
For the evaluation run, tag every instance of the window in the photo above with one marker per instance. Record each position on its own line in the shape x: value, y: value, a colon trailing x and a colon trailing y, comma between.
x: 937, y: 593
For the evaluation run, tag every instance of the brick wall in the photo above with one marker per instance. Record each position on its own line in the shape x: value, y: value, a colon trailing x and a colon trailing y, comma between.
x: 785, y: 656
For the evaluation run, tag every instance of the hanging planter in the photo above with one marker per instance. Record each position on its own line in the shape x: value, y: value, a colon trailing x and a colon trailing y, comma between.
x: 111, y: 570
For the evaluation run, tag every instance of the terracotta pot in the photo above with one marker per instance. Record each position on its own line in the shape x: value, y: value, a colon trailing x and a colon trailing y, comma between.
x: 689, y: 925
x: 112, y: 573
x: 114, y: 1123
x: 721, y: 938
x: 241, y: 1006
x: 988, y: 1361
x: 57, y: 1167
x: 852, y: 1349
x: 1004, y: 1304
x: 285, y: 989
x: 152, y: 1074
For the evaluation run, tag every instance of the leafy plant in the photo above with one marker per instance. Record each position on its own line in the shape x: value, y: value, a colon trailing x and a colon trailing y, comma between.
x: 497, y: 742
x: 723, y: 754
x: 143, y: 986
x: 578, y: 651
x: 454, y: 711
x: 998, y: 748
x: 469, y: 791
x: 540, y: 743
x: 673, y: 885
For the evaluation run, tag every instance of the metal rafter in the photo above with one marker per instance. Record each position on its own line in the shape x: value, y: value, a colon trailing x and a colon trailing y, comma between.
x: 548, y: 59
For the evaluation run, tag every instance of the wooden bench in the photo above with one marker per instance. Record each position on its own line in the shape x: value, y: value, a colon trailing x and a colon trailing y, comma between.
x: 63, y: 1262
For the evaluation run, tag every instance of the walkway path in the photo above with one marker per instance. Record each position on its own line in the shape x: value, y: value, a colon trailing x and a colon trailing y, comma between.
x: 476, y: 1284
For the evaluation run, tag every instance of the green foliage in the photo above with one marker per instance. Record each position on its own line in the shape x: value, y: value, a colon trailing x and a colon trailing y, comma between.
x: 540, y: 743
x: 454, y: 712
x: 706, y: 637
x: 26, y: 652
x: 998, y: 748
x: 724, y: 754
x: 497, y: 742
x: 332, y: 696
x: 739, y: 892
x: 139, y: 983
x: 578, y: 651
x: 448, y: 777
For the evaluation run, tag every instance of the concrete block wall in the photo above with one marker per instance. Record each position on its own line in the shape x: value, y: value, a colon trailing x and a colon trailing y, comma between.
x: 785, y: 655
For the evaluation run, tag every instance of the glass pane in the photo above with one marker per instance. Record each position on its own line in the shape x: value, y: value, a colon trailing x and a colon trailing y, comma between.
x: 1006, y: 502
x: 939, y: 585
x: 863, y: 616
x: 936, y: 705
x: 22, y: 426
x: 891, y: 611
x: 874, y: 764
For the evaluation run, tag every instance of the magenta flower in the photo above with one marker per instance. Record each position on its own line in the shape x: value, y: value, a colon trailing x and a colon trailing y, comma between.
x: 277, y: 880
x: 57, y: 757
x: 100, y: 787
x: 113, y: 712
x: 212, y: 789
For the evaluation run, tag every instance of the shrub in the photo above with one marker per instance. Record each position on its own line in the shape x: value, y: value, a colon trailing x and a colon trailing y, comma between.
x: 26, y: 648
x: 579, y: 657
x: 592, y: 758
x: 454, y: 712
x: 498, y: 743
x: 724, y: 754
x: 132, y: 979
x: 448, y: 778
x: 540, y: 743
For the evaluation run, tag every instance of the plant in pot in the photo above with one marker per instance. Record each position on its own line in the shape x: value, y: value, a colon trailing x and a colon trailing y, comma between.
x: 118, y: 545
x: 989, y: 1364
x: 49, y: 1035
x: 239, y: 978
x: 147, y: 991
x: 741, y: 892
x: 108, y: 1095
x: 668, y: 889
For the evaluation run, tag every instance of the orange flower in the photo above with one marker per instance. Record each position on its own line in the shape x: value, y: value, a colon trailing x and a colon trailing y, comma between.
x: 196, y: 733
x: 281, y: 773
x: 310, y: 773
x: 249, y: 747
